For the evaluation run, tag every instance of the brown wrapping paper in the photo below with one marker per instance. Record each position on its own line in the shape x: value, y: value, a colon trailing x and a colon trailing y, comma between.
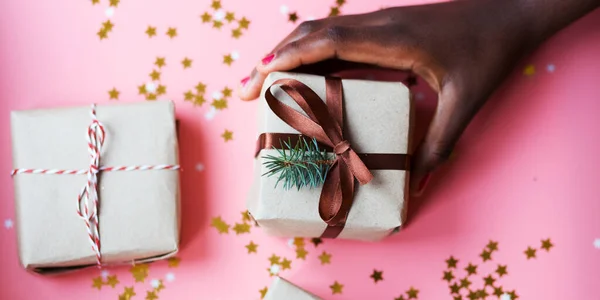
x: 377, y: 120
x: 138, y: 211
x: 282, y: 289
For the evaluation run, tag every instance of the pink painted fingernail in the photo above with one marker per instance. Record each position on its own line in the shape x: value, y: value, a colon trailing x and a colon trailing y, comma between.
x: 245, y: 81
x: 423, y: 183
x: 268, y: 59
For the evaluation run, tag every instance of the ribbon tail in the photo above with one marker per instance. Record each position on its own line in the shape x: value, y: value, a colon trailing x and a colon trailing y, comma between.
x: 357, y: 167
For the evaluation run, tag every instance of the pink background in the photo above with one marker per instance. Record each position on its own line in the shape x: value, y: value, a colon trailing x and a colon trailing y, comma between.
x: 525, y: 170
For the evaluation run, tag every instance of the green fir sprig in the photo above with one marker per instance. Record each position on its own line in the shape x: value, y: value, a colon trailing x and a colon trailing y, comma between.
x: 300, y: 165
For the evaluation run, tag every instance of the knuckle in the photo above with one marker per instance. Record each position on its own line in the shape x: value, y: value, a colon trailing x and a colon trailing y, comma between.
x: 307, y: 27
x: 336, y: 34
x: 438, y: 154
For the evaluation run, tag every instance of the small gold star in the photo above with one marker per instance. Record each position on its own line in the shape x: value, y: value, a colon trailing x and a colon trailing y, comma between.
x: 498, y: 291
x: 227, y: 59
x: 216, y: 4
x: 226, y: 92
x: 200, y: 88
x: 139, y: 272
x: 336, y: 288
x: 401, y: 297
x: 377, y: 276
x: 151, y: 31
x: 172, y: 32
x: 114, y: 3
x: 489, y: 280
x: 335, y: 11
x: 112, y: 281
x: 230, y: 16
x: 293, y: 17
x: 246, y: 216
x: 161, y: 89
x: 501, y: 270
x: 529, y: 70
x: 263, y: 292
x: 547, y: 244
x: 142, y: 89
x: 94, y: 2
x: 471, y: 269
x: 217, y: 24
x: 299, y: 242
x: 206, y: 17
x: 251, y: 247
x: 108, y: 25
x: 274, y: 259
x: 199, y: 100
x: 340, y: 2
x: 114, y: 94
x: 451, y: 262
x: 513, y: 295
x: 492, y: 246
x: 236, y: 33
x: 220, y: 225
x: 459, y: 297
x: 160, y: 286
x: 151, y: 295
x: 465, y: 282
x: 244, y: 23
x: 188, y: 96
x: 316, y: 241
x: 174, y: 262
x: 412, y: 293
x: 160, y: 62
x: 448, y: 276
x: 102, y: 34
x: 186, y: 62
x: 155, y: 75
x: 220, y: 104
x: 97, y: 283
x: 129, y: 291
x: 455, y: 288
x: 530, y: 252
x: 473, y: 295
x: 124, y: 297
x: 241, y: 228
x: 486, y: 255
x: 286, y: 264
x: 227, y: 135
x: 325, y: 258
x: 301, y: 253
x: 151, y: 96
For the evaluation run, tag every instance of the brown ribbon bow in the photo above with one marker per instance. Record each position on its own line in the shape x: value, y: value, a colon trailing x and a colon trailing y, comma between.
x: 324, y: 123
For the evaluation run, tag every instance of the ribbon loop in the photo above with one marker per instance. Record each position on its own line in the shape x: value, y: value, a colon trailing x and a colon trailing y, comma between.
x: 341, y: 147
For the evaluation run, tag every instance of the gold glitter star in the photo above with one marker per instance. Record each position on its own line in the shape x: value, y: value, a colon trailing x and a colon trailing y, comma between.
x: 220, y: 225
x: 377, y: 276
x: 200, y: 88
x: 139, y: 272
x: 251, y: 247
x: 216, y: 4
x: 199, y: 100
x: 472, y: 295
x: 160, y: 62
x: 492, y: 246
x: 274, y: 259
x: 501, y: 270
x: 246, y: 216
x: 530, y: 252
x: 220, y: 104
x: 236, y: 33
x: 108, y: 25
x: 94, y: 2
x: 112, y: 281
x: 336, y: 288
x: 217, y: 24
x: 401, y: 297
x: 301, y: 253
x: 97, y: 283
x: 230, y: 16
x: 129, y: 291
x: 412, y: 293
x: 188, y: 96
x: 186, y: 62
x: 102, y: 34
x: 465, y: 282
x: 335, y: 11
x: 151, y: 31
x: 299, y: 242
x: 547, y: 244
x: 241, y: 228
x: 160, y: 286
x: 155, y: 75
x: 486, y: 255
x: 459, y: 297
x: 325, y: 258
x: 340, y: 2
x: 227, y: 135
x: 227, y: 59
x: 244, y: 23
x: 172, y: 32
x: 316, y: 241
x: 174, y: 262
x: 286, y: 264
x: 161, y: 89
x: 448, y: 276
x: 151, y: 295
x: 206, y: 17
x: 114, y: 94
x: 451, y: 262
x: 114, y: 3
x: 471, y: 269
x: 293, y: 17
x: 498, y: 291
x: 151, y: 96
x: 142, y: 89
x: 529, y: 70
x: 455, y: 288
x: 124, y: 297
x: 489, y: 280
x: 513, y: 295
x: 226, y: 92
x: 263, y: 292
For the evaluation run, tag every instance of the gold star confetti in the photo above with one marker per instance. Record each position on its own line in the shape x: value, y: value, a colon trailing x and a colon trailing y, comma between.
x: 217, y: 24
x: 299, y: 242
x: 220, y: 225
x: 471, y: 269
x: 199, y: 100
x: 160, y: 62
x: 216, y: 4
x: 486, y: 255
x: 114, y: 94
x: 94, y: 2
x: 151, y: 31
x: 139, y: 272
x: 124, y: 297
x: 293, y: 17
x: 547, y: 244
x: 108, y: 25
x: 286, y: 264
x: 465, y: 282
x: 451, y: 262
x: 241, y: 228
x: 412, y: 293
x: 498, y: 292
x: 160, y: 286
x: 206, y: 17
x: 492, y: 246
x: 316, y: 241
x: 188, y: 96
x: 340, y: 2
x: 377, y: 276
x: 112, y: 281
x: 336, y: 288
x: 501, y: 270
x: 114, y: 3
x: 142, y: 89
x: 220, y: 104
x: 448, y: 276
x: 473, y: 295
x: 227, y: 135
x: 263, y: 292
x: 155, y: 75
x: 129, y: 291
x: 102, y: 34
x: 230, y: 16
x: 529, y: 70
x: 530, y: 252
x: 246, y: 216
x: 401, y: 297
x: 151, y: 97
x: 97, y: 283
x: 489, y: 280
x: 151, y: 295
x: 200, y: 88
x: 161, y: 89
x: 227, y: 59
x: 455, y: 288
x: 459, y: 297
x: 301, y: 253
x: 251, y: 247
x: 186, y: 62
x: 172, y: 32
x: 236, y: 33
x: 174, y: 262
x: 335, y: 11
x: 513, y: 295
x: 226, y: 92
x: 274, y: 259
x: 244, y: 23
x: 325, y: 258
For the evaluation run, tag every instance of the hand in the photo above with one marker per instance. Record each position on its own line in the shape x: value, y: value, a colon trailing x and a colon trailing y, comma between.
x: 462, y: 49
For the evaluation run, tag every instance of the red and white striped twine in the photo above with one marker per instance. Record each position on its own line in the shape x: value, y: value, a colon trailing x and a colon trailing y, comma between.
x: 87, y: 200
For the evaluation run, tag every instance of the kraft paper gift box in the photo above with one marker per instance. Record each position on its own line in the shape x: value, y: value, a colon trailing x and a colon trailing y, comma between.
x: 138, y: 210
x: 377, y: 120
x: 282, y: 289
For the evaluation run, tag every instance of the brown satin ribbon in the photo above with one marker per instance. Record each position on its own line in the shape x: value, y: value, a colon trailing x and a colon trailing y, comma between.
x: 325, y: 124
